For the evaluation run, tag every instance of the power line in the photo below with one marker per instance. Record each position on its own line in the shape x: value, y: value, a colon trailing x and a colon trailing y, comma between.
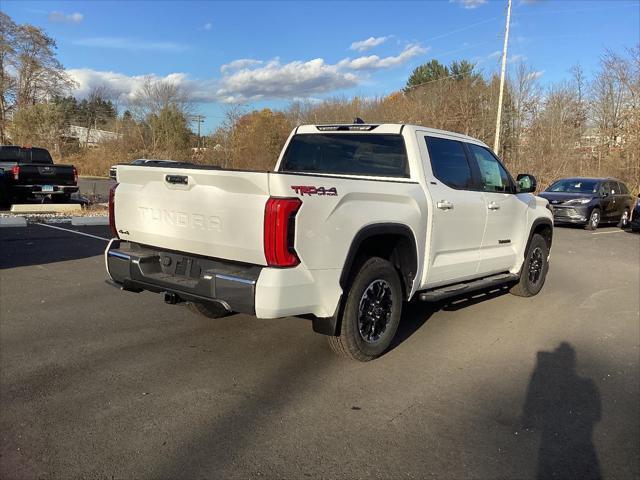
x: 199, y: 119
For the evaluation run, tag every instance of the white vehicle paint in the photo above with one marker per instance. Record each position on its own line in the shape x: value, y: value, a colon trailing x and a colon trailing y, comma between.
x: 449, y: 235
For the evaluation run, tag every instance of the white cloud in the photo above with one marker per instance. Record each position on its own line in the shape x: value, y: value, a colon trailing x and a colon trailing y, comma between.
x: 240, y: 64
x: 60, y: 17
x: 374, y: 62
x: 516, y: 58
x: 275, y: 80
x: 124, y: 87
x: 247, y: 79
x: 208, y: 26
x: 536, y: 75
x: 368, y: 44
x: 469, y: 4
x: 132, y: 44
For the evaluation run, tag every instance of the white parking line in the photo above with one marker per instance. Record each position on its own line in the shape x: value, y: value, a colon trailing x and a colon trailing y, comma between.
x: 602, y: 233
x: 73, y: 231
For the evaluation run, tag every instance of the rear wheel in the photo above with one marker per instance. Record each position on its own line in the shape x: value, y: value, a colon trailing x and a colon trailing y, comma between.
x: 371, y: 313
x: 624, y: 220
x: 534, y: 270
x: 594, y: 219
x: 208, y: 310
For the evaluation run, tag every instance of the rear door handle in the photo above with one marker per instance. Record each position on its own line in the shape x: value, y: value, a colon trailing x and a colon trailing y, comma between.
x: 493, y: 206
x: 444, y: 205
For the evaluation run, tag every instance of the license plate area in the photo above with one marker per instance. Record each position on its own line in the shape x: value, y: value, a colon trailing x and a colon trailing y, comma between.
x: 47, y: 188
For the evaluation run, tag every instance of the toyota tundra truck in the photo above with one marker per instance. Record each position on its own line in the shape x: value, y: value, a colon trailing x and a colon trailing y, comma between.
x: 355, y: 220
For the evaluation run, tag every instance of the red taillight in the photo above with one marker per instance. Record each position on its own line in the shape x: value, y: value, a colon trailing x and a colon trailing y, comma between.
x: 279, y: 224
x: 15, y: 170
x: 112, y: 210
x: 75, y: 175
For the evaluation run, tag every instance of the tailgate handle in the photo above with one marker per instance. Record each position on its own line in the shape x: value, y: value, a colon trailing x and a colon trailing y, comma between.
x: 177, y: 179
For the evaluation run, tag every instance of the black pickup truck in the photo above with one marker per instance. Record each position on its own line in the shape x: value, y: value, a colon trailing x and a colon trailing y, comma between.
x: 27, y: 172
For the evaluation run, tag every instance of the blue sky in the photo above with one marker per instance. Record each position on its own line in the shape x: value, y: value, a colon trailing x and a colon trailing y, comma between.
x: 259, y: 54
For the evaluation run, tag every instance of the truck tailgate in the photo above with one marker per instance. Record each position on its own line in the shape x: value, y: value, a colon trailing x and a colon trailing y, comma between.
x: 209, y: 212
x: 46, y: 174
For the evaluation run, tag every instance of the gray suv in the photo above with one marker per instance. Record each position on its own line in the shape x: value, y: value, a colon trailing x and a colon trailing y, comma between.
x: 589, y: 201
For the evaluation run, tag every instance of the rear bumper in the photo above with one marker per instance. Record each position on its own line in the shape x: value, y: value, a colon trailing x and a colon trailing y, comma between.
x: 38, y: 189
x: 188, y: 278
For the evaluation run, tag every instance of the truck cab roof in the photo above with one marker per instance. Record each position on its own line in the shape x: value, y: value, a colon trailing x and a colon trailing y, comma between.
x: 380, y: 128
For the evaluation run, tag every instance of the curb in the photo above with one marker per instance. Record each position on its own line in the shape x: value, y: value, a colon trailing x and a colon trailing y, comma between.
x: 46, y: 208
x: 23, y: 221
x: 89, y: 220
x: 14, y: 222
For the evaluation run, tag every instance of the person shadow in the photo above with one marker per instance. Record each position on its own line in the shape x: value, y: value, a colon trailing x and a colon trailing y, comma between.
x: 564, y: 408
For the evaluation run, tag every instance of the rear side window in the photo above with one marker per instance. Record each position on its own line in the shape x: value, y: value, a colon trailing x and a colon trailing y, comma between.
x: 24, y: 155
x: 349, y: 154
x: 40, y: 155
x: 623, y: 188
x: 449, y: 162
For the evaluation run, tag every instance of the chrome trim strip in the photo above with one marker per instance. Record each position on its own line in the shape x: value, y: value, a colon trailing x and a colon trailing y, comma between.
x: 106, y: 255
x: 119, y: 255
x: 232, y: 278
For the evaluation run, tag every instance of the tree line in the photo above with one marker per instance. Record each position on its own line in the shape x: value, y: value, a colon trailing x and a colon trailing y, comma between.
x: 583, y: 125
x: 580, y: 126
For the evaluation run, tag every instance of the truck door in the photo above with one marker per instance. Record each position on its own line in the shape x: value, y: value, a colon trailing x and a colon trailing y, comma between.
x: 506, y: 214
x: 459, y: 212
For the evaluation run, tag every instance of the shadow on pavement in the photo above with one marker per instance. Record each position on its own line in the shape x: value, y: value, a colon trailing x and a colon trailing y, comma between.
x: 564, y: 408
x: 39, y: 245
x: 416, y: 313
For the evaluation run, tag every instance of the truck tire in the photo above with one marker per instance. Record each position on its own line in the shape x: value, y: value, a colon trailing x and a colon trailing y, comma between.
x: 208, y: 310
x: 534, y: 270
x: 371, y: 313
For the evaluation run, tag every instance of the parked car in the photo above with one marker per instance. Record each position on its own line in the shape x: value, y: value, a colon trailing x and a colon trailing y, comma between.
x: 589, y: 201
x: 141, y: 161
x: 635, y: 216
x: 354, y: 221
x: 29, y: 172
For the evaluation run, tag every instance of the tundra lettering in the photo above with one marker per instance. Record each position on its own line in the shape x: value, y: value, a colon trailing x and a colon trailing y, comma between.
x: 181, y: 219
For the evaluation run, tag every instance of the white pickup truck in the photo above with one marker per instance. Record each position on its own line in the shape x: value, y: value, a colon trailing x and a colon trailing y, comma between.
x: 355, y: 220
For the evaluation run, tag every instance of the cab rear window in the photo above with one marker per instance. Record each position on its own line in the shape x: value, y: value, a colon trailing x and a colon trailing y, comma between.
x: 376, y: 155
x: 24, y: 155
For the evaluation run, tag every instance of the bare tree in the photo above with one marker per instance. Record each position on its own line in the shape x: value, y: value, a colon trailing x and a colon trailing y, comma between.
x: 155, y: 95
x: 7, y: 81
x: 524, y: 92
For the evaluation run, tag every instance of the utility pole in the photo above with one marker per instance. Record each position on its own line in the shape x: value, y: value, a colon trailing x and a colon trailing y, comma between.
x: 199, y: 119
x: 496, y: 142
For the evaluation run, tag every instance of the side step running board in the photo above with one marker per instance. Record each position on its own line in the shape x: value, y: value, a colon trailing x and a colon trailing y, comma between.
x: 461, y: 288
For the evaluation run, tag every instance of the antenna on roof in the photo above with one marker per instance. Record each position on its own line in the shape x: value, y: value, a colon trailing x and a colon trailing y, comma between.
x: 358, y: 121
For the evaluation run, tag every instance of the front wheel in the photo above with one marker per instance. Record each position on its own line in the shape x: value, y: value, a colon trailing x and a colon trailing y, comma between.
x: 371, y: 313
x: 594, y: 219
x: 535, y: 268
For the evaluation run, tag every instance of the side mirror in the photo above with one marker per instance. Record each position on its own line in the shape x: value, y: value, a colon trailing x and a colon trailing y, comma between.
x: 526, y: 183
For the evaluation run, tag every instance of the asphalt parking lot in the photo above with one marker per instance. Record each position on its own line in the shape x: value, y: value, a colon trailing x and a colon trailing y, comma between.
x: 98, y: 383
